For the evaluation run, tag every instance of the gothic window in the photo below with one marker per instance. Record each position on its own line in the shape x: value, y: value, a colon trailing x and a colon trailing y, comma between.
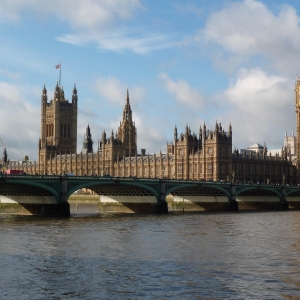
x: 209, y: 168
x: 200, y: 168
x: 180, y: 169
x: 195, y: 168
x: 61, y: 130
x: 69, y: 130
x: 191, y: 168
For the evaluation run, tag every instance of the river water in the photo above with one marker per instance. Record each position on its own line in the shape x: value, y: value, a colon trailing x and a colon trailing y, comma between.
x: 177, y: 256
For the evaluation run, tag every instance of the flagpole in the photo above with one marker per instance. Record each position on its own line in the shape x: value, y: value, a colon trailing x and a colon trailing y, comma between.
x: 59, y: 73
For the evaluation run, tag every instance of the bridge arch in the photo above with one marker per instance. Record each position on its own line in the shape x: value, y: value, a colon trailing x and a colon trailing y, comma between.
x: 23, y: 187
x: 260, y: 190
x: 201, y: 189
x: 293, y: 193
x: 115, y: 187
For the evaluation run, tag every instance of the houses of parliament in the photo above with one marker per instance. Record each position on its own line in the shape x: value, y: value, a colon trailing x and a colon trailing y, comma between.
x: 205, y: 155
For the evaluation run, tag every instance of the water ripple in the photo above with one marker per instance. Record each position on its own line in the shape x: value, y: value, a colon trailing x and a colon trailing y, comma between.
x: 188, y: 256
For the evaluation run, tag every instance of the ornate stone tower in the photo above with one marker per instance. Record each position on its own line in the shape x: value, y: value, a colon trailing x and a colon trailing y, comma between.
x: 297, y: 108
x: 58, y: 126
x: 127, y: 130
x: 88, y: 142
x: 4, y: 156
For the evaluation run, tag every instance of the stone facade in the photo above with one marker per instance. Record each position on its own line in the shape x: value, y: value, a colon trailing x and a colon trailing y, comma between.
x: 58, y: 127
x: 207, y: 155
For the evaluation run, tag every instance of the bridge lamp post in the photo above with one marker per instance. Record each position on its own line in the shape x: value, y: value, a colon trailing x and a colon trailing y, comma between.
x: 283, y: 179
x: 65, y: 164
x: 163, y: 171
x: 233, y: 174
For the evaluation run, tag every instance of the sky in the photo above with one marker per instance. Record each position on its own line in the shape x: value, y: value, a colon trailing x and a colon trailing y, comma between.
x: 183, y: 62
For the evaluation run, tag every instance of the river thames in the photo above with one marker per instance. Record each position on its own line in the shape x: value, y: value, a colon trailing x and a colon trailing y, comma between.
x: 177, y: 256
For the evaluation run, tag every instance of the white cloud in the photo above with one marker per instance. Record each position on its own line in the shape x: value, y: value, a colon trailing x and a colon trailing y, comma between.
x: 248, y: 28
x: 80, y: 15
x: 112, y: 89
x: 92, y: 21
x: 189, y: 8
x: 260, y: 107
x: 183, y: 93
x: 118, y: 40
x: 10, y: 75
x: 18, y: 121
x: 115, y: 91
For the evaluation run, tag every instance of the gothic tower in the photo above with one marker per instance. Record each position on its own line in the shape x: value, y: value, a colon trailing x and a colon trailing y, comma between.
x: 127, y: 130
x: 88, y: 141
x: 297, y: 108
x: 4, y: 156
x: 58, y: 126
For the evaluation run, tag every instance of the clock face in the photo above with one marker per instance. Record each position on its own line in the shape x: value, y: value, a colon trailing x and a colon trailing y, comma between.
x: 210, y: 150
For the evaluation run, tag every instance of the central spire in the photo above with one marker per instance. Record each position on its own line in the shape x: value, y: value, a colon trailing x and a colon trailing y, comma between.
x: 127, y: 113
x: 127, y: 99
x: 127, y: 130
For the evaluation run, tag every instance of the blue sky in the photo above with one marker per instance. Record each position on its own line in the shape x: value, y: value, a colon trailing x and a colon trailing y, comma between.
x: 184, y: 62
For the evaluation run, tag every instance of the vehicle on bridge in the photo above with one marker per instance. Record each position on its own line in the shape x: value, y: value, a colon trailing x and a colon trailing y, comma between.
x: 14, y: 172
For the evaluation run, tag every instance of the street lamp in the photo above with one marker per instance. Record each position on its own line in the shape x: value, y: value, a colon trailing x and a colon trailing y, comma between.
x: 163, y: 171
x: 233, y: 173
x: 65, y: 164
x: 283, y: 179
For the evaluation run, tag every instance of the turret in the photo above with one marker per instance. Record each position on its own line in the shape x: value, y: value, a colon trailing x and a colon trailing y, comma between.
x: 74, y: 95
x: 88, y: 142
x: 200, y: 133
x: 44, y: 97
x: 4, y: 156
x: 230, y: 130
x: 103, y: 136
x: 265, y: 149
x: 112, y: 135
x: 57, y: 91
x: 175, y: 134
x: 186, y: 132
x: 216, y: 127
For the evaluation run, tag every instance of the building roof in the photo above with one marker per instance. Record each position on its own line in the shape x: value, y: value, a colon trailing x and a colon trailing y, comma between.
x: 256, y: 146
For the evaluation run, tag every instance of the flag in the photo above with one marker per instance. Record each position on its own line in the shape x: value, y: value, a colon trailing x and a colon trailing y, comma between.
x: 57, y: 66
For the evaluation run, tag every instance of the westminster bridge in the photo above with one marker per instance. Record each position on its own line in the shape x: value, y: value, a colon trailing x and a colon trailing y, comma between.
x: 48, y: 195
